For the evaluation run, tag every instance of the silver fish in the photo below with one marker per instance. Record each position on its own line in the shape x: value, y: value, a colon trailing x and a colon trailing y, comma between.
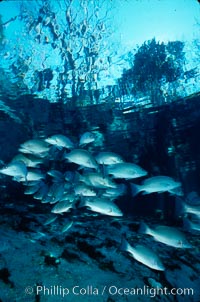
x: 62, y: 207
x: 86, y: 138
x: 126, y: 170
x: 167, y: 235
x: 84, y: 190
x: 35, y: 146
x: 16, y: 169
x: 50, y: 220
x: 97, y: 180
x: 67, y: 226
x: 35, y: 175
x: 82, y: 158
x: 144, y: 255
x: 37, y: 236
x: 108, y: 158
x: 30, y: 160
x: 115, y: 192
x: 157, y: 184
x: 102, y: 206
x: 60, y: 141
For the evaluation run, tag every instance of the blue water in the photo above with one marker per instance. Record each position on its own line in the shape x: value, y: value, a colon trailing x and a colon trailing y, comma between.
x: 63, y: 73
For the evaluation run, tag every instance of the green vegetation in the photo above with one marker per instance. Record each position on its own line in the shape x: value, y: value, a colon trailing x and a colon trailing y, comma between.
x: 153, y: 64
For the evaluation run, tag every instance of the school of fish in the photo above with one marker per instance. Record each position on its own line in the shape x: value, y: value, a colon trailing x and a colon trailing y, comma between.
x: 68, y: 176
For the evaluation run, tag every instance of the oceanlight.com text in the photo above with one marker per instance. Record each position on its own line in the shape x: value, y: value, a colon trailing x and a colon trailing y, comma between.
x: 111, y: 290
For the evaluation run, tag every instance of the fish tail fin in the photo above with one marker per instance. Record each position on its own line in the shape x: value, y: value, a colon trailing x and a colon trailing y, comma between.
x: 135, y: 189
x: 144, y: 228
